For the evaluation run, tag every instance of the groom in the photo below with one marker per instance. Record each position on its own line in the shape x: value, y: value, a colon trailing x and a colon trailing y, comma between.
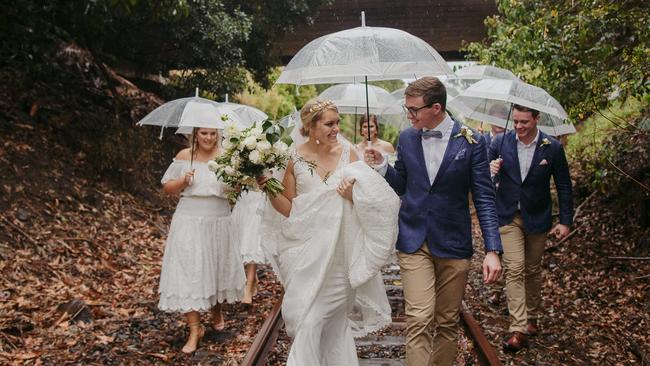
x: 439, y: 162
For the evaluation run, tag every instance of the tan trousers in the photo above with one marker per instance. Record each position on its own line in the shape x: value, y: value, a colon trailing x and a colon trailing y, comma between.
x: 433, y: 291
x: 522, y: 262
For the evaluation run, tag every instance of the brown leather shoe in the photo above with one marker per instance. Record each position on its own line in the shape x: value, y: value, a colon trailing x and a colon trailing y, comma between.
x: 531, y: 327
x: 516, y: 342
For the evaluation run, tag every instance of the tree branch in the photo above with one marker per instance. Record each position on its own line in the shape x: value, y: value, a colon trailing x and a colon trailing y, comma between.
x: 645, y: 188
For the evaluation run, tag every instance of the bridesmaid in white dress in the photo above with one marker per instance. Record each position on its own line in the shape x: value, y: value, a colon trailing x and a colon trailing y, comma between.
x: 201, y: 267
x: 379, y: 144
x: 329, y: 268
x: 246, y: 226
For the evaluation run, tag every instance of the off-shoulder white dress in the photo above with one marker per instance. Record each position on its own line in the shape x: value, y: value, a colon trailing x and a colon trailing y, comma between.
x: 201, y: 265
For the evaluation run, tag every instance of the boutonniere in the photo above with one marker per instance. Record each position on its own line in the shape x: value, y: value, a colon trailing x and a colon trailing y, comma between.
x: 545, y: 142
x: 467, y: 134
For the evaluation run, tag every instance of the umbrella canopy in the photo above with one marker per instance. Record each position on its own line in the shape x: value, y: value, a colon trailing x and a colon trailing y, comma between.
x: 480, y: 72
x: 489, y: 100
x: 351, y: 55
x: 170, y: 113
x: 351, y: 99
x: 205, y: 115
x: 247, y: 115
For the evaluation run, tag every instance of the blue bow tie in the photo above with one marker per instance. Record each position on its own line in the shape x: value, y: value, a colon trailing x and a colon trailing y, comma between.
x: 427, y: 134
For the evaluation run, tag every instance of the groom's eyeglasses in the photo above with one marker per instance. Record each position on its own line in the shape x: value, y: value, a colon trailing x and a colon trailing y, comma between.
x: 413, y: 111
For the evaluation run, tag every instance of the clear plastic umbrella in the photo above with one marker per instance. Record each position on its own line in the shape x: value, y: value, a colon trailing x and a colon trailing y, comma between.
x: 361, y: 99
x: 471, y: 74
x: 206, y: 115
x: 170, y: 114
x: 351, y: 55
x: 487, y: 100
x: 351, y: 99
x: 363, y: 54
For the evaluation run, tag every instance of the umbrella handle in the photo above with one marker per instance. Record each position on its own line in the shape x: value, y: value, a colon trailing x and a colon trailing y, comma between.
x: 496, y: 179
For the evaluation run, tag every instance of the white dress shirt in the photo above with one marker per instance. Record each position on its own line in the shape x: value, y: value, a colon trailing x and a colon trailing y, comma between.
x: 433, y: 149
x: 525, y: 154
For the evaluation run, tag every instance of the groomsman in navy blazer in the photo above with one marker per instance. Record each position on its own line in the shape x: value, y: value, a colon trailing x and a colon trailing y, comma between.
x: 526, y: 159
x: 439, y: 162
x: 497, y: 110
x: 489, y: 135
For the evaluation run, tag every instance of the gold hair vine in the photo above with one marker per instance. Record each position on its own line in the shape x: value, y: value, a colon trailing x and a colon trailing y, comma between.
x: 320, y: 106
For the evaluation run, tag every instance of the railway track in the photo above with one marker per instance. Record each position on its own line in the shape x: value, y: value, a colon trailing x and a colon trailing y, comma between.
x: 385, y: 348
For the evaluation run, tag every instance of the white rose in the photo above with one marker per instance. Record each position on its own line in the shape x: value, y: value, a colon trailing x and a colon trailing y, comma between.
x: 230, y: 170
x: 250, y: 142
x: 281, y: 147
x: 213, y: 166
x: 231, y: 130
x: 255, y: 157
x: 264, y: 146
x: 226, y: 144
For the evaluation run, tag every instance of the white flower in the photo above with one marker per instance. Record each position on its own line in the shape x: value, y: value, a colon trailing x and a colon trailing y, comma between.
x: 264, y: 146
x: 250, y: 142
x: 257, y: 132
x: 226, y: 144
x: 255, y: 157
x: 280, y: 147
x: 229, y: 170
x: 213, y: 166
x: 235, y: 161
x: 231, y: 130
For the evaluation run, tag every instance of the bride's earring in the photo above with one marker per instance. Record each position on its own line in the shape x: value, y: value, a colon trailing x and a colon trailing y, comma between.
x: 317, y: 142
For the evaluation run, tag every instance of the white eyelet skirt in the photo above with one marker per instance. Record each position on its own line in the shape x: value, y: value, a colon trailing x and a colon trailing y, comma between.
x: 201, y: 265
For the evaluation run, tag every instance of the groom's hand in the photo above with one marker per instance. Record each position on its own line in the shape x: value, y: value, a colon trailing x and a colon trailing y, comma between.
x: 491, y: 268
x: 372, y: 156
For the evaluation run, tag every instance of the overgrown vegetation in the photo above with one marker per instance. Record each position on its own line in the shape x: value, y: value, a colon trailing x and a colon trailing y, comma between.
x: 583, y: 52
x: 212, y: 41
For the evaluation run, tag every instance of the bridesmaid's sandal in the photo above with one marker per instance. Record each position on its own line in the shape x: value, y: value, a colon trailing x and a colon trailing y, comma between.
x: 218, y: 323
x: 196, y: 333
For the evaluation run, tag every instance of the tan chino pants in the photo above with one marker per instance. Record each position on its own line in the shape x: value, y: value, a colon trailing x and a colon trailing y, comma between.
x: 433, y: 291
x: 522, y: 262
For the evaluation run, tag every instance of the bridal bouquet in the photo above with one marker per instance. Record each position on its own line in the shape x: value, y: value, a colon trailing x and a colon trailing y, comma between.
x: 247, y: 154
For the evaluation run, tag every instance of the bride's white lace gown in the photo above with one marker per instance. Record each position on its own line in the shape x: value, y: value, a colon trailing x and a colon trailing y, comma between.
x: 328, y: 254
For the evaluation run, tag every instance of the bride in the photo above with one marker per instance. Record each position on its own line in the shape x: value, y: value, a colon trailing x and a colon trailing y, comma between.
x: 337, y: 228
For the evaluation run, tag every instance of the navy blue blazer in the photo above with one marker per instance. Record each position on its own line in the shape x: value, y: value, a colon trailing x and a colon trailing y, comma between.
x: 534, y: 193
x: 488, y: 139
x: 438, y: 211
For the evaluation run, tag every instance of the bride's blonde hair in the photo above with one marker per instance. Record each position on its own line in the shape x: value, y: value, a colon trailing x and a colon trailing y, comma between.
x: 312, y: 111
